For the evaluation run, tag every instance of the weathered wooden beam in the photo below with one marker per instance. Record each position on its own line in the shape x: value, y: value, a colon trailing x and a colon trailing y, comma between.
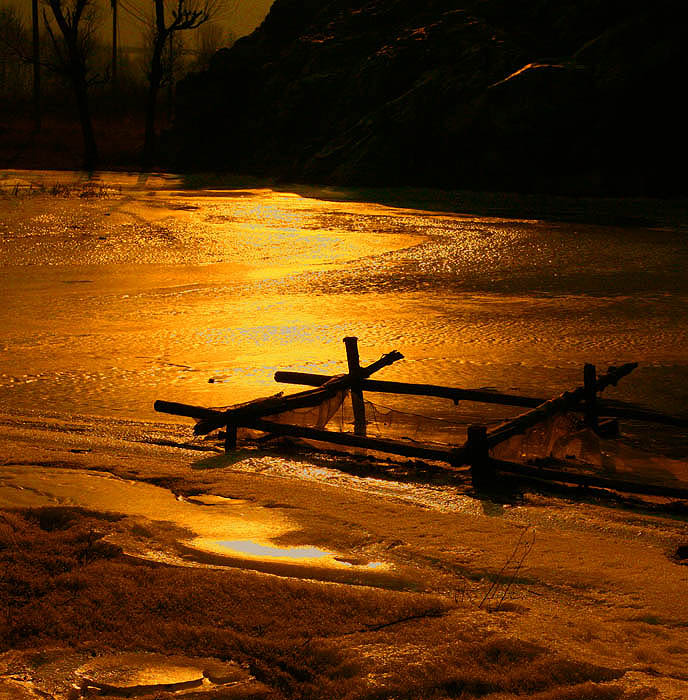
x: 230, y: 437
x: 387, y: 359
x: 404, y: 388
x: 568, y: 477
x: 478, y: 456
x: 564, y: 402
x: 619, y: 409
x: 440, y: 454
x: 357, y: 403
x: 185, y: 409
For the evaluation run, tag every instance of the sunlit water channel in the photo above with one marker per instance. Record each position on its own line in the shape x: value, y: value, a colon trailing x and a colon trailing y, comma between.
x: 137, y: 289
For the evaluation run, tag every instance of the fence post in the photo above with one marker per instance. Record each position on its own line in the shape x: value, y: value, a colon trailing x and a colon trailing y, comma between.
x: 230, y: 437
x: 353, y: 361
x: 589, y: 382
x: 478, y: 456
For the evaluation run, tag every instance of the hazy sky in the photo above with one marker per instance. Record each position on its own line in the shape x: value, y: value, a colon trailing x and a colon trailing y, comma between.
x: 239, y: 16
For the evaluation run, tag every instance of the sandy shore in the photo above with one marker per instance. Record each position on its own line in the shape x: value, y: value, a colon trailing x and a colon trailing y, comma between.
x: 525, y: 595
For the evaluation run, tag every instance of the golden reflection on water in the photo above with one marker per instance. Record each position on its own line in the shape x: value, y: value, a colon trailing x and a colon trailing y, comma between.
x: 264, y: 551
x: 313, y: 555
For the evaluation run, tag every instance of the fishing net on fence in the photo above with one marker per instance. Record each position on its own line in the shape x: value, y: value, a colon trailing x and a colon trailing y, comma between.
x: 310, y: 417
x: 565, y: 438
x: 550, y: 438
x: 386, y: 422
x: 336, y: 414
x: 562, y: 437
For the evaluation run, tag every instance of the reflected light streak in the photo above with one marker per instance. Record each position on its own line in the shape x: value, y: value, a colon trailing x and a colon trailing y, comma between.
x: 263, y: 551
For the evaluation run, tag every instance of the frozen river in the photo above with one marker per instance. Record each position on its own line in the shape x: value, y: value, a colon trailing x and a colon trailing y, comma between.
x: 126, y: 290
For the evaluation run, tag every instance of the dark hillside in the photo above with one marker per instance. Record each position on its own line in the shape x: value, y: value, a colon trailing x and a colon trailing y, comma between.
x: 547, y: 95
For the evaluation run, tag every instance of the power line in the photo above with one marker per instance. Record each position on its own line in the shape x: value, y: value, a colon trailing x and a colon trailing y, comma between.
x: 133, y: 12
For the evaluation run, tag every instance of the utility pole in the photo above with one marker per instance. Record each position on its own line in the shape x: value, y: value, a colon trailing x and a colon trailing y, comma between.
x: 170, y: 85
x: 36, y: 67
x: 113, y: 3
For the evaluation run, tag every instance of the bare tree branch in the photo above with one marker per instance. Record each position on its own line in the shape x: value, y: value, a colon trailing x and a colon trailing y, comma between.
x: 14, y: 40
x: 185, y: 15
x: 76, y: 21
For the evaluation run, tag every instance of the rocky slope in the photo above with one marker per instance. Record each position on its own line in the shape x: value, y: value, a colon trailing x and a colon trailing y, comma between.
x: 548, y: 95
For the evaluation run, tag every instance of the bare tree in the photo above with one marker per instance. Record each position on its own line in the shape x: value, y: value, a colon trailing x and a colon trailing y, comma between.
x: 36, y: 56
x: 73, y: 47
x: 15, y: 50
x: 184, y: 15
x: 113, y: 5
x: 209, y: 40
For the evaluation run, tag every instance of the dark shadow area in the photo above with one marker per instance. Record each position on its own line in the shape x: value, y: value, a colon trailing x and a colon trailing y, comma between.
x: 557, y: 97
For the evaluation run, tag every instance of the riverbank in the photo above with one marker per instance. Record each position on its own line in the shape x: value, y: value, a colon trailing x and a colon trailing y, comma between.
x: 604, y: 211
x: 523, y: 595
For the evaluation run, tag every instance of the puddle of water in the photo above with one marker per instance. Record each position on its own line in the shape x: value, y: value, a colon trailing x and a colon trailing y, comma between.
x: 209, y: 499
x: 263, y: 551
x: 130, y: 674
x: 220, y: 531
x: 312, y: 555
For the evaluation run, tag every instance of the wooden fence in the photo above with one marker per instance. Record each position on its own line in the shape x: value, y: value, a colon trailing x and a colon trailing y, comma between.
x: 474, y: 453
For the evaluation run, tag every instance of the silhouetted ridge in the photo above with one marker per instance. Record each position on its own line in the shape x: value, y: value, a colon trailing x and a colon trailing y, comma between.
x: 547, y: 95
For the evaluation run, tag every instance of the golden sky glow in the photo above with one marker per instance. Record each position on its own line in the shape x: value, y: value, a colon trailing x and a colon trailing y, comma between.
x: 242, y: 18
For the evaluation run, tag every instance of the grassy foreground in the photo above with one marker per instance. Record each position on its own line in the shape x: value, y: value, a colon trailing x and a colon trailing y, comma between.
x: 593, y: 608
x: 63, y: 586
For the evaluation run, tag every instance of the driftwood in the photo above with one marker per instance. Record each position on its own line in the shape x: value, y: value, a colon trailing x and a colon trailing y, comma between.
x: 355, y: 377
x: 404, y: 388
x: 474, y: 452
x: 590, y: 396
x: 620, y: 409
